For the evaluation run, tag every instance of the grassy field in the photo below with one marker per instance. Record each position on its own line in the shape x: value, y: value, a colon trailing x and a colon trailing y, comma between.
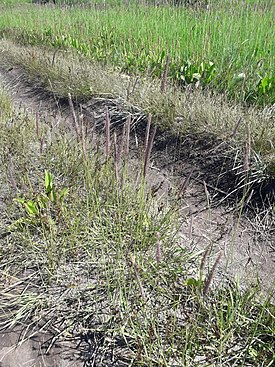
x: 228, y: 47
x: 89, y: 247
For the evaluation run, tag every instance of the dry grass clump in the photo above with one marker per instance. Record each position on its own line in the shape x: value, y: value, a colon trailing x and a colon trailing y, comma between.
x: 60, y: 73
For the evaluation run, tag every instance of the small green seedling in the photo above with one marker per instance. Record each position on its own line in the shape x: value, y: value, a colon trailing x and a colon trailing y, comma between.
x: 40, y: 207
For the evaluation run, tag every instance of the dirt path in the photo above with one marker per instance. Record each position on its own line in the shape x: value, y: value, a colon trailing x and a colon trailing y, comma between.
x: 247, y: 251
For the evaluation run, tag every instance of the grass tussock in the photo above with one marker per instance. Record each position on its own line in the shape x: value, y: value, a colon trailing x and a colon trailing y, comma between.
x: 87, y: 249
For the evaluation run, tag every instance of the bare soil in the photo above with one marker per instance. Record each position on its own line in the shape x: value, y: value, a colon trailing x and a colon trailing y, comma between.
x: 33, y: 352
x: 207, y: 218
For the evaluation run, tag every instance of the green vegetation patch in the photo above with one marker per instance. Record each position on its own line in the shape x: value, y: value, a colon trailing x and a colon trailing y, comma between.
x: 226, y: 46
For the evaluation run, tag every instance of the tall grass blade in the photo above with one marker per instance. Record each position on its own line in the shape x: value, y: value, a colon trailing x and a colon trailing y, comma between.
x: 209, y: 279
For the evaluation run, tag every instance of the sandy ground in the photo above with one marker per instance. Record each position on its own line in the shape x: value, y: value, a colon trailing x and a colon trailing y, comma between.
x: 33, y: 353
x: 247, y: 252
